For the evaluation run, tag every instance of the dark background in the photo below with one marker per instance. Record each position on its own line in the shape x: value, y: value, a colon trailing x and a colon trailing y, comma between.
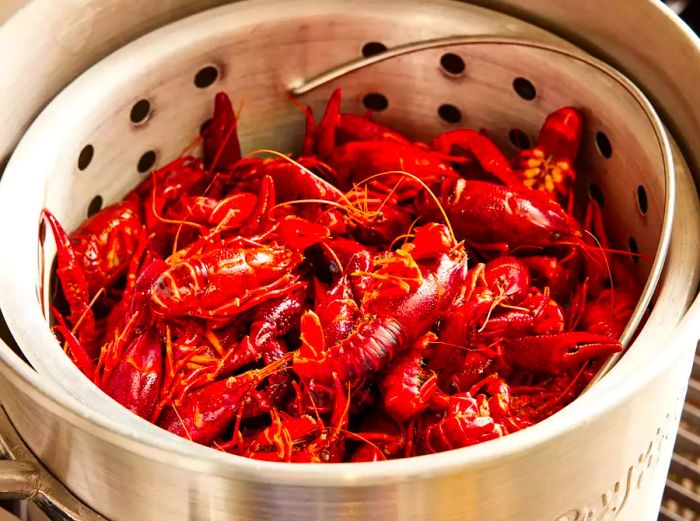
x: 689, y: 11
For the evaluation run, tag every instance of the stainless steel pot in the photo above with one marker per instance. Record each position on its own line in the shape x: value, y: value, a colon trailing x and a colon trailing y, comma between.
x: 105, y: 462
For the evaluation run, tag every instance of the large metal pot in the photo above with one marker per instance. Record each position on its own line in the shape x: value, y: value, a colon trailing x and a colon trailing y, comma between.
x: 542, y: 473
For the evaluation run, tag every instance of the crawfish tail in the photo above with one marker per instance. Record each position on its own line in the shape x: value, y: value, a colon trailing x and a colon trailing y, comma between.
x: 135, y: 381
x: 205, y: 413
x: 221, y: 146
x: 368, y: 349
x: 560, y: 135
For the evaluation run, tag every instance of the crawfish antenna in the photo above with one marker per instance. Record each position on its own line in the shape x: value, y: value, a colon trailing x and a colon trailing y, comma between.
x: 427, y: 189
x: 280, y: 155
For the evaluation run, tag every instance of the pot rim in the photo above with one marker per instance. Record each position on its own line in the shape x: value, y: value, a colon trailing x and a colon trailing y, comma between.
x: 151, y: 442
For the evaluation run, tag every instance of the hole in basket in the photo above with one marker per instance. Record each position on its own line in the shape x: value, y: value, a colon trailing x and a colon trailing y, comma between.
x: 94, y: 206
x: 375, y: 102
x: 642, y: 202
x: 603, y: 144
x: 634, y: 248
x: 204, y: 126
x: 519, y: 139
x: 140, y: 112
x: 449, y: 113
x: 85, y: 157
x: 372, y: 49
x: 146, y: 162
x: 524, y: 88
x: 206, y: 76
x: 452, y: 64
x: 596, y: 193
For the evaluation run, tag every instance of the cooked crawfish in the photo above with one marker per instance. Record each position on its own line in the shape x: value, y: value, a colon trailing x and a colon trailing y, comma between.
x: 371, y: 298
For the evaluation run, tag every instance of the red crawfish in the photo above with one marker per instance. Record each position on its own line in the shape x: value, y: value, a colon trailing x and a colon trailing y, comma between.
x: 488, y: 156
x: 294, y: 178
x: 271, y: 320
x: 277, y: 441
x: 337, y: 128
x: 549, y: 165
x: 357, y: 148
x: 357, y: 161
x: 534, y: 403
x: 558, y: 353
x: 131, y: 363
x: 462, y: 352
x: 462, y: 424
x: 163, y: 190
x: 611, y: 291
x: 407, y: 389
x: 403, y: 301
x: 92, y: 258
x: 381, y: 439
x: 476, y: 364
x: 535, y: 314
x: 609, y: 313
x: 371, y: 214
x: 329, y: 445
x: 231, y: 212
x: 221, y: 146
x: 320, y: 398
x: 503, y: 281
x: 303, y: 439
x: 339, y: 310
x: 498, y: 398
x: 271, y: 396
x: 224, y: 281
x: 240, y: 215
x: 560, y: 275
x: 205, y: 413
x: 604, y: 271
x: 501, y: 218
x: 135, y: 381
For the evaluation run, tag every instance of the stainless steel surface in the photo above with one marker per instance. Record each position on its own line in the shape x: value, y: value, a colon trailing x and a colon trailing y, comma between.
x: 22, y: 476
x: 181, y: 482
x: 18, y: 480
x: 645, y: 40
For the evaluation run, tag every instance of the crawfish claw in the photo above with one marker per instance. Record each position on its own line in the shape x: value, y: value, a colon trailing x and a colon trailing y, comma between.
x: 558, y: 353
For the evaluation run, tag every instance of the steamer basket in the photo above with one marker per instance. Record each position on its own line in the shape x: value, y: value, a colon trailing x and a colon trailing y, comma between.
x: 106, y: 150
x: 609, y: 448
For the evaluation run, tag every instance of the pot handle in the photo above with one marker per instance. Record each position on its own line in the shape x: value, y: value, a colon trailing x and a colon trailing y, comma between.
x: 22, y: 476
x: 18, y: 480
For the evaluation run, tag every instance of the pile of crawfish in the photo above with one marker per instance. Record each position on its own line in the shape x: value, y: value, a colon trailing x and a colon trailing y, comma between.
x: 372, y: 298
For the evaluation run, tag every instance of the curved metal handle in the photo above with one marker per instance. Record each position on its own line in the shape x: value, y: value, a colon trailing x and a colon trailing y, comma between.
x: 18, y: 480
x: 22, y: 476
